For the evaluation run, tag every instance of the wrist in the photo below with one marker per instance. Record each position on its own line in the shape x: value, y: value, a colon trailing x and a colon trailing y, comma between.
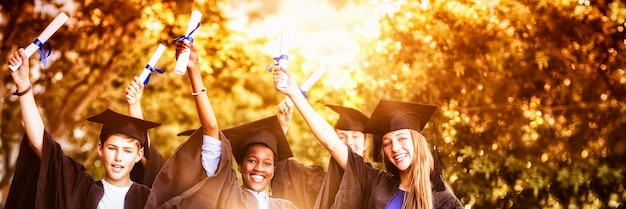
x: 201, y: 91
x: 22, y: 91
x: 22, y: 86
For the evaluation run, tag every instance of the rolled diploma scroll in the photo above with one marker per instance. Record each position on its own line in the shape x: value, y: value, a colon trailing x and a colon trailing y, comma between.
x: 284, y: 63
x: 153, y: 60
x: 183, y: 58
x: 43, y: 37
x: 312, y: 79
x: 306, y: 85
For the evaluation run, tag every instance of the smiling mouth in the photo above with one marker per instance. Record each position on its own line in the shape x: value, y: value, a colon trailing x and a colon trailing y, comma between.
x: 257, y: 178
x: 400, y: 157
x: 117, y: 168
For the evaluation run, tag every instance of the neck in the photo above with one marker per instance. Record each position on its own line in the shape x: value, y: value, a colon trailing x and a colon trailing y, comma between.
x: 405, y: 180
x: 125, y: 182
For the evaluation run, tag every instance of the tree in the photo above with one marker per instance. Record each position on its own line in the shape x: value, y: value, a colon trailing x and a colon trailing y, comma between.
x: 531, y: 95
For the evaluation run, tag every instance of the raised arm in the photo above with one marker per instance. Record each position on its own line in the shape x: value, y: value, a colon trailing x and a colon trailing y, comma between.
x: 31, y: 118
x: 323, y: 131
x: 285, y: 113
x: 205, y: 110
x: 134, y: 91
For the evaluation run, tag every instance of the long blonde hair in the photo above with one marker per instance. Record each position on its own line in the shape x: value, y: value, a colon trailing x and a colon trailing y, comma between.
x: 420, y: 194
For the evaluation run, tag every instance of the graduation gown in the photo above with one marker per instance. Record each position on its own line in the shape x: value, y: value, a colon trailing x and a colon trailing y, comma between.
x: 363, y: 186
x: 330, y: 186
x: 297, y: 182
x: 183, y: 183
x: 57, y: 181
x: 146, y: 174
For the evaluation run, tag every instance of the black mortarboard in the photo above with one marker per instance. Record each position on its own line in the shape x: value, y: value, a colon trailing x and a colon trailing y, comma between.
x: 350, y: 119
x: 115, y: 123
x: 266, y: 131
x: 394, y: 115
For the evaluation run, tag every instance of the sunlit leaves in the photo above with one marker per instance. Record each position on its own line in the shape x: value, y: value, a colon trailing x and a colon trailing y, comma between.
x: 527, y: 87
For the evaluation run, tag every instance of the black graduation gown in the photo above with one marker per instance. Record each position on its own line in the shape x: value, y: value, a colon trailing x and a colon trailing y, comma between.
x: 330, y: 186
x: 297, y: 182
x: 146, y: 174
x: 57, y: 181
x: 183, y: 183
x: 363, y: 186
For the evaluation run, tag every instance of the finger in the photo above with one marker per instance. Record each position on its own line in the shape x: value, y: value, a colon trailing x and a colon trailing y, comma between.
x: 281, y: 107
x: 15, y: 58
x: 22, y: 54
x: 138, y: 83
x: 134, y: 85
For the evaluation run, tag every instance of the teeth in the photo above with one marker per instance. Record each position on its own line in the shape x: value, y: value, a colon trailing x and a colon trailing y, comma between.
x: 399, y: 157
x: 117, y: 168
x: 257, y: 178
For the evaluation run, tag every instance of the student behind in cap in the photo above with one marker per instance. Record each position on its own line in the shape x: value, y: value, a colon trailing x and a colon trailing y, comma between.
x: 410, y: 179
x: 200, y: 174
x: 56, y: 180
x: 152, y: 161
x: 349, y: 128
x: 304, y: 184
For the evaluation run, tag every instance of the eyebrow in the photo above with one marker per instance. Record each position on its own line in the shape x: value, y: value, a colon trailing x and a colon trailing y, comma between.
x: 123, y: 147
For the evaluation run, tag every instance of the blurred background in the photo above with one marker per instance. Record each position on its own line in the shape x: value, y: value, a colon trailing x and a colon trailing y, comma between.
x: 531, y: 93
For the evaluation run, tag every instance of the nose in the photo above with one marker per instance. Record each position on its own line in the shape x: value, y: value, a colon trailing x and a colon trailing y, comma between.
x: 349, y: 140
x: 395, y: 146
x: 259, y: 167
x: 118, y: 156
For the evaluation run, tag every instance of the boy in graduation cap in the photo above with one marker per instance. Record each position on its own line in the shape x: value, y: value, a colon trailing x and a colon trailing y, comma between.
x: 310, y: 186
x: 60, y: 182
x: 410, y: 178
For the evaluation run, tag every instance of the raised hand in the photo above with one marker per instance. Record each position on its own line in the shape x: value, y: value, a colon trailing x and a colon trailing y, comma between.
x: 134, y: 91
x: 285, y: 113
x: 21, y: 75
x: 281, y: 74
x: 182, y: 46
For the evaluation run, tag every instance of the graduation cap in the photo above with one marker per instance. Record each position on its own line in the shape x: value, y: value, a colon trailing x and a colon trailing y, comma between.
x: 394, y: 115
x: 266, y: 131
x: 115, y: 123
x: 187, y: 132
x: 350, y: 119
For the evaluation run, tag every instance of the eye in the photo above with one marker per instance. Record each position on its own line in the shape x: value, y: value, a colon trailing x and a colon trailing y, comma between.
x: 268, y: 164
x: 128, y: 151
x: 386, y: 143
x: 111, y: 148
x: 252, y: 161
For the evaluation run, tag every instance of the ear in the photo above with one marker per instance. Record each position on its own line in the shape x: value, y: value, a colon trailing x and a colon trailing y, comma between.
x: 100, y: 149
x: 139, y: 155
